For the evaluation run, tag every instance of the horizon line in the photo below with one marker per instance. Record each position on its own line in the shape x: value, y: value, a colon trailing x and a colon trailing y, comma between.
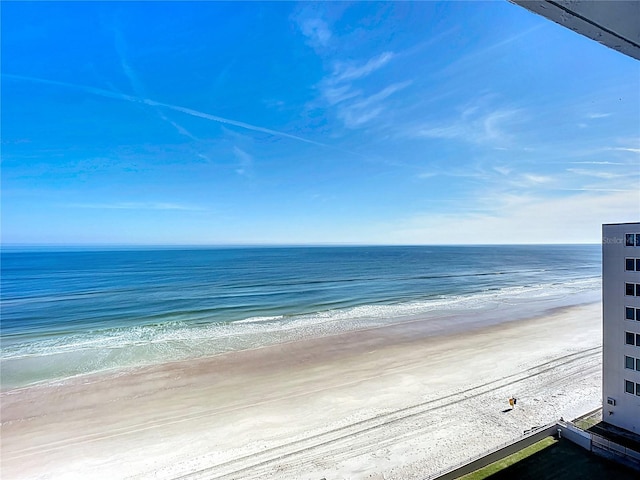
x: 195, y: 246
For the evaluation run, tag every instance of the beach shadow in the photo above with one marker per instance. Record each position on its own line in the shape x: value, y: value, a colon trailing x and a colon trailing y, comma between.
x: 507, y: 410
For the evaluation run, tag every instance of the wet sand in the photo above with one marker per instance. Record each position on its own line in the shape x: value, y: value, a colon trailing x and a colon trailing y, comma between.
x: 390, y: 402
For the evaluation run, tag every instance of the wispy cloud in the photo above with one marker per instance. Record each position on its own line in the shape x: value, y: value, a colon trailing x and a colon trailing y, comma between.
x: 625, y: 149
x: 474, y: 173
x: 425, y: 175
x: 479, y: 56
x: 140, y: 91
x: 598, y: 163
x: 488, y: 181
x: 503, y: 170
x: 317, y: 30
x: 188, y: 111
x: 477, y: 125
x: 572, y: 218
x: 335, y: 95
x: 522, y: 182
x: 367, y: 108
x: 536, y: 179
x: 381, y: 95
x: 589, y: 189
x: 245, y: 161
x: 597, y: 173
x: 346, y: 90
x: 314, y: 28
x: 235, y: 123
x: 345, y: 72
x: 121, y: 49
x: 134, y: 206
x: 598, y: 115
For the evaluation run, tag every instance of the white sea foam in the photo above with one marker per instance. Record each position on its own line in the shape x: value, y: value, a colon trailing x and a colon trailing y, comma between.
x: 80, y: 353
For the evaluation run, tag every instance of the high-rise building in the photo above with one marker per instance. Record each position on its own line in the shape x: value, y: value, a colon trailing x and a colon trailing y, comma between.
x: 621, y: 325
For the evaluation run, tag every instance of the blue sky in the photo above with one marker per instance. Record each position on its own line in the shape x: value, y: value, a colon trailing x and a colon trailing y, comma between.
x: 224, y: 123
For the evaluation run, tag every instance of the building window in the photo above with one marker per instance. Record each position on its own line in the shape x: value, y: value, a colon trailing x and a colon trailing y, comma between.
x: 638, y: 339
x: 629, y: 240
x: 629, y: 362
x: 632, y: 264
x: 638, y: 389
x: 629, y: 338
x: 628, y: 386
x: 629, y: 313
x: 632, y: 289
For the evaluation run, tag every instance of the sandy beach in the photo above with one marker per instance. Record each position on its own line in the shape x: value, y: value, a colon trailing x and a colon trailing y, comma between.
x: 390, y: 402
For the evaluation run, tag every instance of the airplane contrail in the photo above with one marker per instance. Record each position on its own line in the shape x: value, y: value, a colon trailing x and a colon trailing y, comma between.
x: 188, y: 111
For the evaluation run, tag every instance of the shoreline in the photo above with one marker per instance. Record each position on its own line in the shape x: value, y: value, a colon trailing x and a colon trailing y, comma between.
x: 227, y: 411
x: 433, y: 323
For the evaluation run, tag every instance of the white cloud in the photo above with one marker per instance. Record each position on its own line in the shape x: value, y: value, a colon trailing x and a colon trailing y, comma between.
x: 493, y: 123
x: 353, y: 117
x: 427, y: 175
x: 334, y: 95
x: 138, y: 87
x: 187, y: 111
x: 503, y: 170
x: 471, y: 173
x: 346, y: 89
x: 598, y: 115
x: 381, y: 95
x: 450, y: 131
x: 348, y: 71
x: 476, y: 125
x: 245, y: 160
x: 524, y: 219
x: 479, y: 56
x: 479, y: 121
x: 134, y: 206
x: 596, y: 173
x: 626, y: 149
x: 316, y: 30
x: 536, y: 179
x: 365, y: 109
x: 597, y: 163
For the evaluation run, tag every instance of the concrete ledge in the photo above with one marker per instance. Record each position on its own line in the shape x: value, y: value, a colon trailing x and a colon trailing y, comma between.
x: 587, y: 440
x: 498, y: 454
x: 575, y: 435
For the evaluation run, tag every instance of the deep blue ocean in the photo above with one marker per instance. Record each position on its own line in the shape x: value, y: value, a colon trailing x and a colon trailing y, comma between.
x: 71, y: 312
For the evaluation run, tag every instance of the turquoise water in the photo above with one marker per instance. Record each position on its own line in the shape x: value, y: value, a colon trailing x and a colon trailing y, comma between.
x: 67, y: 313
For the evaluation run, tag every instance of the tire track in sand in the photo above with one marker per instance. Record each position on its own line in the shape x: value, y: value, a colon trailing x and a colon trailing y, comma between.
x: 351, y: 440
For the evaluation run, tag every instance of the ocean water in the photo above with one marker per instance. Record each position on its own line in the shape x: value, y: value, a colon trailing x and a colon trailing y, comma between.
x: 71, y: 312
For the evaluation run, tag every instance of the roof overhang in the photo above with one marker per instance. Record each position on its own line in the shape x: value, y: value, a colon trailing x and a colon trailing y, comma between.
x: 613, y: 23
